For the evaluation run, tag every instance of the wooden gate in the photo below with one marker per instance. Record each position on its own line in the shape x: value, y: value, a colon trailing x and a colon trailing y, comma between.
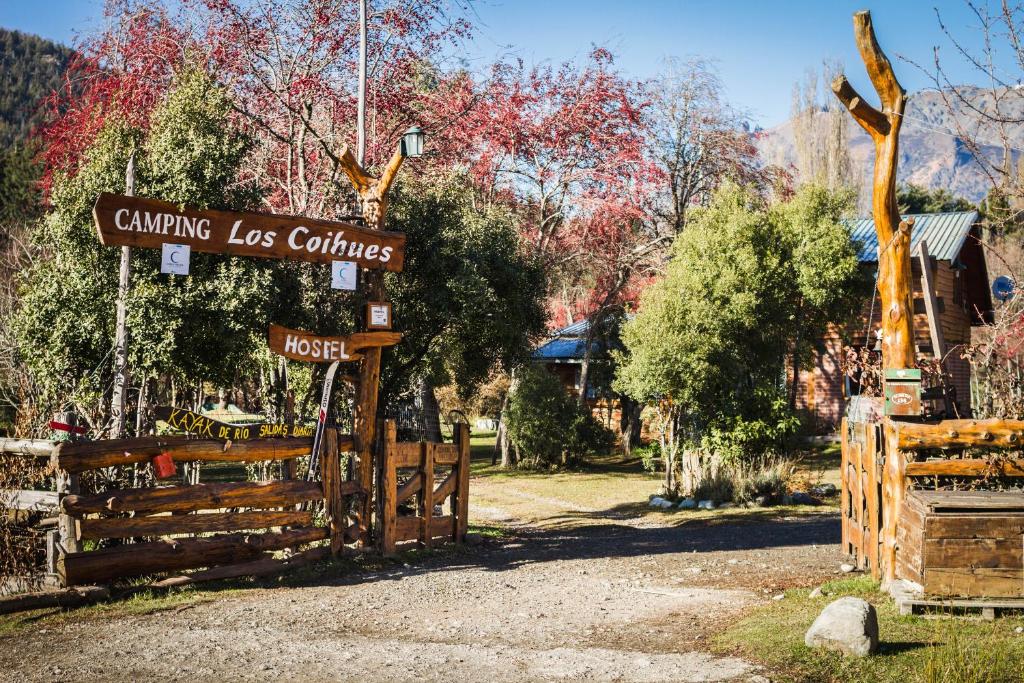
x: 417, y: 464
x: 861, y: 493
x: 185, y: 519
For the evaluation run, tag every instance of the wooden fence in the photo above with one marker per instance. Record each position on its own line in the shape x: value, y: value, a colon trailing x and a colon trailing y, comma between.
x: 861, y: 511
x: 416, y: 465
x: 910, y: 511
x: 186, y: 521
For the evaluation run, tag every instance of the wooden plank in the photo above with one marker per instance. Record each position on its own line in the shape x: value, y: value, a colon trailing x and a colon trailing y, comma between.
x: 952, y: 501
x: 447, y: 454
x: 407, y: 454
x: 150, y: 223
x: 263, y: 494
x: 262, y: 567
x: 305, y: 346
x: 446, y: 488
x: 426, y: 498
x: 968, y: 582
x: 79, y: 457
x: 407, y: 528
x: 966, y: 468
x: 930, y: 302
x: 957, y: 553
x: 98, y: 566
x: 959, y: 434
x: 409, y: 488
x: 443, y: 526
x: 844, y: 485
x: 20, y: 499
x: 202, y: 426
x: 389, y: 489
x: 166, y: 525
x: 460, y: 505
x: 974, y: 526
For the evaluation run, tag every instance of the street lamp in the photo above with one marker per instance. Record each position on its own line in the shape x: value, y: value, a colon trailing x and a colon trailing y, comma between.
x: 412, y: 142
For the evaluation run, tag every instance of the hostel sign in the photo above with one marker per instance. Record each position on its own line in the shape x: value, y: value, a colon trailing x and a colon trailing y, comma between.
x: 139, y: 222
x: 299, y: 345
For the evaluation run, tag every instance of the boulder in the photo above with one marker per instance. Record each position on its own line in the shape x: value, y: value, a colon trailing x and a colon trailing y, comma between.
x: 848, y: 625
x: 826, y: 489
x: 687, y: 504
x: 706, y: 505
x: 801, y: 498
x: 726, y: 506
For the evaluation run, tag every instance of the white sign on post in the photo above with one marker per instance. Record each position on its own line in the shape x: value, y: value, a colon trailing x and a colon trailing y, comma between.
x: 175, y: 259
x: 343, y: 275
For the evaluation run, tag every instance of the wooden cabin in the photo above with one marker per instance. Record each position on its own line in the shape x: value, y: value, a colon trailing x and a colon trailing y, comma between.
x: 562, y: 356
x: 960, y: 287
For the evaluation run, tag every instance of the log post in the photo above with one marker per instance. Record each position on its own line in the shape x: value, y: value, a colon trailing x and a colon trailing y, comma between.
x: 426, y: 497
x: 894, y: 274
x: 373, y: 201
x: 894, y: 484
x: 334, y: 504
x: 388, y: 489
x: 460, y: 507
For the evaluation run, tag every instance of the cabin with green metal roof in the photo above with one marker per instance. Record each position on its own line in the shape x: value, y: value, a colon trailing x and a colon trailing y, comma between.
x: 959, y: 290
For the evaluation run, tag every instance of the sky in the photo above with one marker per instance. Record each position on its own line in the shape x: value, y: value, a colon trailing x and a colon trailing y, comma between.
x: 759, y: 48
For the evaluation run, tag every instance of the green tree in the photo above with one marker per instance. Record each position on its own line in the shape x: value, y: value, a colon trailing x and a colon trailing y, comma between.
x: 470, y: 299
x: 911, y: 198
x: 188, y: 329
x: 709, y: 343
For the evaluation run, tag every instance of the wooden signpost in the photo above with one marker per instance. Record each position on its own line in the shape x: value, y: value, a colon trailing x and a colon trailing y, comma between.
x: 139, y: 222
x: 207, y: 428
x: 304, y: 346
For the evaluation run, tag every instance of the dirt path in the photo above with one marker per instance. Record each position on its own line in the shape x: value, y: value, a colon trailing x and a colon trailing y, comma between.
x: 572, y: 594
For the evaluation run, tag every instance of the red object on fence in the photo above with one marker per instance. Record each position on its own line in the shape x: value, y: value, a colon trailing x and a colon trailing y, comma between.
x: 62, y: 427
x: 163, y: 466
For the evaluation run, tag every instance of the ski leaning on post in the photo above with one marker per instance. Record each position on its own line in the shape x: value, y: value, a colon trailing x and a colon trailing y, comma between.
x: 321, y: 421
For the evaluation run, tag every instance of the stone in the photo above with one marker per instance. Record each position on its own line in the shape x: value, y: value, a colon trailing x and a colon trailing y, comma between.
x: 706, y: 505
x: 848, y: 625
x: 816, y: 593
x: 826, y: 489
x: 802, y: 498
x: 761, y: 501
x: 726, y: 506
x: 656, y: 502
x: 780, y: 596
x: 846, y: 567
x: 687, y: 504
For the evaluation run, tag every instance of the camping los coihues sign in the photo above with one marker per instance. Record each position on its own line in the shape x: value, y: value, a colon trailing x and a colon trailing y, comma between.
x: 139, y: 222
x: 304, y: 346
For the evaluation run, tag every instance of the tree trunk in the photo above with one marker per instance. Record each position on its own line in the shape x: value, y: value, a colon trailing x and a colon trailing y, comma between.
x: 629, y: 424
x: 430, y: 410
x: 509, y: 455
x: 588, y: 343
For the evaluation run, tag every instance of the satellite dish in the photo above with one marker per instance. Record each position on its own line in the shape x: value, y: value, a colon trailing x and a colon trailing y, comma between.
x: 1003, y: 288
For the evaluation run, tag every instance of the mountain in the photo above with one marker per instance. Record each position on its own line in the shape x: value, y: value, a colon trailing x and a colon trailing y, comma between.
x: 932, y: 153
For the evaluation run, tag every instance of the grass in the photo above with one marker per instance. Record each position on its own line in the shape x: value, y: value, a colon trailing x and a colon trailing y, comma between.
x: 913, y: 648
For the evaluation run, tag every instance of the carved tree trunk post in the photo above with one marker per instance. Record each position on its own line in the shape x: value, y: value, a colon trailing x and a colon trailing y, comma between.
x: 124, y: 283
x: 373, y: 200
x: 894, y: 275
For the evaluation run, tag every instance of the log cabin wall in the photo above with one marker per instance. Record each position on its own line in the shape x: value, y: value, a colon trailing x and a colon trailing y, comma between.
x: 961, y: 288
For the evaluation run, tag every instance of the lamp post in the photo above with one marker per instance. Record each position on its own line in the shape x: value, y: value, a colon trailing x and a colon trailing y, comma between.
x: 373, y: 200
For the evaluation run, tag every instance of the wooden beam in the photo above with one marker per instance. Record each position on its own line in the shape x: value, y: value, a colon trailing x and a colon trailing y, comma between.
x: 166, y: 525
x: 460, y: 506
x: 262, y: 567
x: 80, y: 457
x: 966, y: 468
x: 409, y: 488
x: 931, y: 303
x: 38, y: 448
x: 98, y: 566
x: 262, y: 494
x: 71, y: 597
x: 17, y: 499
x: 959, y: 434
x: 446, y: 488
x: 388, y: 489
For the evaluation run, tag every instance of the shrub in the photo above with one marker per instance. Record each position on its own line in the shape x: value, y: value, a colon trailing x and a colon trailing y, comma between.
x: 767, y: 479
x: 650, y: 456
x: 715, y: 486
x: 546, y: 423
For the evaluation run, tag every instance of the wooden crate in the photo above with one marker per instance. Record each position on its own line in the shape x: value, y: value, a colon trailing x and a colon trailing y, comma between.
x: 963, y: 543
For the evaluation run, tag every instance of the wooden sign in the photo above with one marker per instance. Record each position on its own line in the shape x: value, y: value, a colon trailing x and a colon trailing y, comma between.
x: 204, y: 427
x: 299, y: 345
x: 378, y: 315
x: 139, y: 222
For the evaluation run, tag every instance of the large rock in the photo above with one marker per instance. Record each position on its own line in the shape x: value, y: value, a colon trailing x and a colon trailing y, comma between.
x: 849, y: 625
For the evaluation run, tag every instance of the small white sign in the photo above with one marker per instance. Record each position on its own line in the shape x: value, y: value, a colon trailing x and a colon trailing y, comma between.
x: 175, y: 259
x: 343, y: 275
x: 379, y: 315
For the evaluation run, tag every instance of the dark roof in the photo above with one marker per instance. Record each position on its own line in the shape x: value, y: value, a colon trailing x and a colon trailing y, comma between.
x: 944, y: 232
